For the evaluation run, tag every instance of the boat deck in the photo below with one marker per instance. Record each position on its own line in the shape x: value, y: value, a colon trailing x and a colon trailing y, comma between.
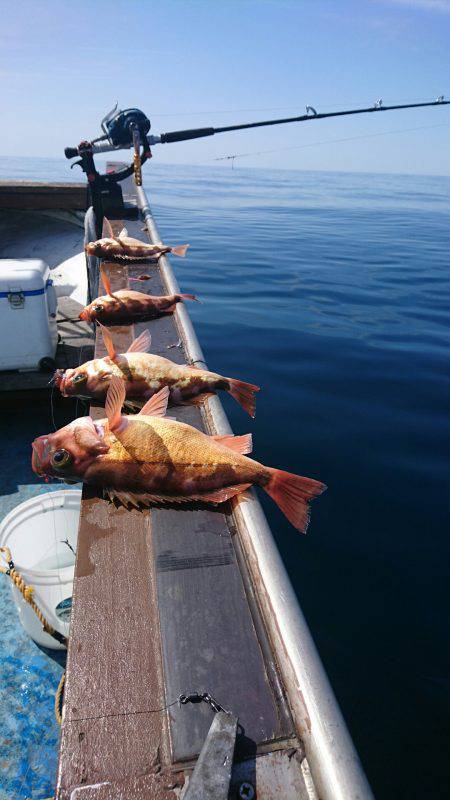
x: 57, y: 237
x: 162, y: 606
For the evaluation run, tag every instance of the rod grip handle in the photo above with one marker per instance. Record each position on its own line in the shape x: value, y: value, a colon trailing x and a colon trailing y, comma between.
x: 181, y: 136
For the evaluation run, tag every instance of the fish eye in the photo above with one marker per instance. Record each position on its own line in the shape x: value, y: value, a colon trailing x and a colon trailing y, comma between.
x: 98, y: 308
x: 61, y: 458
x: 79, y: 378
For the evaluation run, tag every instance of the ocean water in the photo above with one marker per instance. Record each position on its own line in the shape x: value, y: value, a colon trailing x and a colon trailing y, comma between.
x: 331, y: 291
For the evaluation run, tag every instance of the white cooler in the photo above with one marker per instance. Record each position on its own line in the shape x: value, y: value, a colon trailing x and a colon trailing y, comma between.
x: 28, y: 308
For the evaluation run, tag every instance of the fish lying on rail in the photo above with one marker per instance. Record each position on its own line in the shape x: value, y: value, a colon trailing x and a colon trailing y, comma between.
x: 126, y: 305
x: 145, y: 374
x: 126, y: 249
x: 148, y: 459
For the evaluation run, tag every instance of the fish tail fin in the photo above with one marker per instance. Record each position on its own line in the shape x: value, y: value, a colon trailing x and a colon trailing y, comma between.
x: 180, y: 250
x: 189, y: 297
x: 292, y: 494
x: 244, y: 393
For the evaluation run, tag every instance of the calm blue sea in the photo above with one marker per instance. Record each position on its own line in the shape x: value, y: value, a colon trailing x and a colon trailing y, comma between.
x: 331, y: 291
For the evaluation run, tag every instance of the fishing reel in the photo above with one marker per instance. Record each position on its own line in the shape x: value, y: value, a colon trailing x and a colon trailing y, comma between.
x: 121, y: 130
x: 118, y: 126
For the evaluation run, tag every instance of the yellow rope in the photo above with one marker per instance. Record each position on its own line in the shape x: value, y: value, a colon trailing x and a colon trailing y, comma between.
x: 27, y: 593
x: 58, y: 704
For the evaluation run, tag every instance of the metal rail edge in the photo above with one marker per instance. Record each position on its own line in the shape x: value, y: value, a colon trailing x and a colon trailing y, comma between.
x: 335, y: 765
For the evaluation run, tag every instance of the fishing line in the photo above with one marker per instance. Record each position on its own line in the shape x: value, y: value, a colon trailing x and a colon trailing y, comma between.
x: 332, y: 141
x: 272, y: 108
x: 52, y: 406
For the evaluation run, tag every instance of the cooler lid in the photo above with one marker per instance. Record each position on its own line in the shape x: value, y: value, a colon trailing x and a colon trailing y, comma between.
x: 23, y: 274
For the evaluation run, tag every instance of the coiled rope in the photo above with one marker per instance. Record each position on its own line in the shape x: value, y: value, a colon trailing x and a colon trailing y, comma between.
x: 27, y: 594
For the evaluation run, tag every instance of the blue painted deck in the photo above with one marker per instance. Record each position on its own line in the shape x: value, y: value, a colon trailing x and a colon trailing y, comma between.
x: 29, y: 677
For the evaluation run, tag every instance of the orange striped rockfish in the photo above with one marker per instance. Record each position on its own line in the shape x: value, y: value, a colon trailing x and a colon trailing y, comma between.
x: 124, y: 248
x: 149, y: 459
x: 127, y: 306
x: 145, y: 374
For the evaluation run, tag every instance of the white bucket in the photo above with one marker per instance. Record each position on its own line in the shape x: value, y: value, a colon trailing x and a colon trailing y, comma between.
x: 35, y: 532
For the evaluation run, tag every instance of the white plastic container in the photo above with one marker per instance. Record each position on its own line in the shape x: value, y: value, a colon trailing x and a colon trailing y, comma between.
x: 35, y: 532
x: 28, y: 308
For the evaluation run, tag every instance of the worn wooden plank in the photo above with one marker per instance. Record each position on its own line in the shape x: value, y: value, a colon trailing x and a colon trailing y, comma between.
x: 113, y: 725
x: 36, y: 195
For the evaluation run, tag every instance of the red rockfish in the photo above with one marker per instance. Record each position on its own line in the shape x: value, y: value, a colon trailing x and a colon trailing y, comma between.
x: 145, y: 374
x: 148, y: 459
x: 126, y: 249
x: 126, y: 306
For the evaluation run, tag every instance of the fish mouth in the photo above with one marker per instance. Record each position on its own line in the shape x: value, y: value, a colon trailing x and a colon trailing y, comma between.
x: 40, y: 451
x: 85, y: 315
x: 59, y: 379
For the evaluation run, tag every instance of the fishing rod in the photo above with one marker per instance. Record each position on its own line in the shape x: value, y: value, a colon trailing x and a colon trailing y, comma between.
x: 311, y: 114
x: 131, y: 128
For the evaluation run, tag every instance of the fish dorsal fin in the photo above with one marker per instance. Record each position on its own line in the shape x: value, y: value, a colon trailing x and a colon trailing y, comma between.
x: 109, y: 344
x: 105, y: 281
x: 108, y: 227
x: 123, y: 234
x: 141, y: 344
x: 114, y: 401
x: 239, y: 444
x: 157, y: 405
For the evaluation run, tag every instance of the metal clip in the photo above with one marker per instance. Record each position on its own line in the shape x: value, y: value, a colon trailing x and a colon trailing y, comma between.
x: 311, y: 110
x: 378, y: 103
x: 440, y: 99
x: 137, y: 156
x: 205, y: 697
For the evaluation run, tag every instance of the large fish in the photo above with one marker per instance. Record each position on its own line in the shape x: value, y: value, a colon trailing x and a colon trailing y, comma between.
x: 145, y: 374
x: 126, y: 305
x: 126, y: 249
x: 148, y: 459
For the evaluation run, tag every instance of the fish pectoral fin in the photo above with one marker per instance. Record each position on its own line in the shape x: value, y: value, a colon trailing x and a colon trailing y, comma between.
x: 109, y: 344
x: 157, y: 405
x: 123, y: 234
x: 105, y: 281
x: 115, y: 398
x: 108, y: 227
x: 239, y: 444
x: 141, y: 344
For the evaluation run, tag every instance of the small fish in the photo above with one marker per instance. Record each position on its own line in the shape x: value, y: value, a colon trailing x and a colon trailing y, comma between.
x: 148, y: 459
x: 126, y: 249
x: 126, y: 305
x: 145, y: 374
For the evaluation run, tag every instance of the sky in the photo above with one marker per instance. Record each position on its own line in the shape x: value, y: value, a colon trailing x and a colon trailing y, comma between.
x: 196, y: 63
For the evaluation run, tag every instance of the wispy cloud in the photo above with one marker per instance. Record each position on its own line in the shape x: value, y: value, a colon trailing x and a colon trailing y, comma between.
x: 441, y: 6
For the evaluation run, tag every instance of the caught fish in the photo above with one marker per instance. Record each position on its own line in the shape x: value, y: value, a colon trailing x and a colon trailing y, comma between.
x: 149, y: 459
x: 126, y: 305
x: 145, y: 374
x: 126, y: 249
